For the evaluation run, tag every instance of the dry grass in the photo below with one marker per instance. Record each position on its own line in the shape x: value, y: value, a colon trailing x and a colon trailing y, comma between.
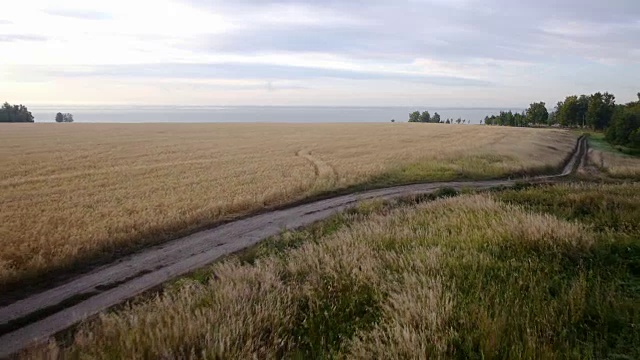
x: 72, y: 193
x: 616, y: 165
x: 465, y: 277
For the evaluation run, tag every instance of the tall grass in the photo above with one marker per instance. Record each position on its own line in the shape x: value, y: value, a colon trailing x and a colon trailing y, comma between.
x: 75, y: 194
x: 616, y: 165
x: 515, y: 274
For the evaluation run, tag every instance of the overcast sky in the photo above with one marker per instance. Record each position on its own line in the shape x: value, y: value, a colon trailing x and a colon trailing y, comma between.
x: 470, y: 53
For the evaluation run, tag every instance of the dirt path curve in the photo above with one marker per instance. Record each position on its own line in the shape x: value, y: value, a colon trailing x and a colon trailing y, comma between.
x: 40, y: 316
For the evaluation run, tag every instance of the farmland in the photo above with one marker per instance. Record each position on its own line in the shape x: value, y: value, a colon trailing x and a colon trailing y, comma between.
x: 73, y: 194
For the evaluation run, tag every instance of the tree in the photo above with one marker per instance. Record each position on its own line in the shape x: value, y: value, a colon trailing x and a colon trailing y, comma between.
x: 519, y: 119
x: 15, y: 113
x: 414, y: 116
x: 600, y: 109
x: 634, y: 139
x: 568, y: 112
x: 447, y: 122
x: 559, y: 116
x: 625, y: 123
x: 573, y: 111
x: 67, y: 118
x: 59, y: 117
x: 435, y: 118
x: 552, y: 118
x: 458, y: 120
x: 583, y: 105
x: 425, y: 117
x: 537, y: 113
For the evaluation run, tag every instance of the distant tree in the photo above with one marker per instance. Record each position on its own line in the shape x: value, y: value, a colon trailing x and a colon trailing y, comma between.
x: 435, y: 118
x: 5, y: 113
x: 583, y: 106
x: 447, y: 122
x: 537, y: 113
x: 67, y: 117
x: 393, y: 120
x: 481, y: 122
x: 414, y: 116
x: 425, y: 117
x: 59, y: 117
x: 600, y: 109
x: 597, y: 111
x: 568, y: 111
x: 573, y: 111
x: 625, y: 125
x: 15, y: 113
x: 520, y: 119
x: 459, y: 120
x: 512, y: 118
x: 634, y: 139
x: 552, y: 118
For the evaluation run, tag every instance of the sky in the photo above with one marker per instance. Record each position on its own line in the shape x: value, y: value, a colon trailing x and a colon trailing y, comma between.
x: 459, y: 53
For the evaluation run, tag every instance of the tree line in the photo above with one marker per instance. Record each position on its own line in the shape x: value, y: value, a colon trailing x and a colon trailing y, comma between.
x: 536, y: 114
x: 19, y: 113
x: 66, y: 117
x: 624, y: 127
x: 621, y: 123
x: 14, y: 113
x: 425, y: 117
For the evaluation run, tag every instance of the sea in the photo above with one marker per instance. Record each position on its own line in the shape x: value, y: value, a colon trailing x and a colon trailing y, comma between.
x: 260, y: 114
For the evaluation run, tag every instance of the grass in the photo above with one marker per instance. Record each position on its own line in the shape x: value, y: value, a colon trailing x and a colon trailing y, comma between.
x: 599, y: 143
x: 611, y: 160
x: 77, y: 194
x: 536, y: 272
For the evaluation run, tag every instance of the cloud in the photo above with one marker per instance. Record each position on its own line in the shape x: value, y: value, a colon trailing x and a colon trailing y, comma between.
x: 79, y: 14
x: 255, y: 71
x: 451, y: 30
x: 21, y: 37
x: 265, y: 45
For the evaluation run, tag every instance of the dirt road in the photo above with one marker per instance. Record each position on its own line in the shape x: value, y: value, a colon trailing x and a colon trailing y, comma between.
x: 36, y: 318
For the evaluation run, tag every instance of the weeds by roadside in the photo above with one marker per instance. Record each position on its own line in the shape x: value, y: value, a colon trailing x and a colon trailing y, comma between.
x: 536, y: 272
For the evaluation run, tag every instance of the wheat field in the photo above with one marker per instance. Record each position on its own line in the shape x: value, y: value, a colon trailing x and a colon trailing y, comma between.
x: 72, y: 193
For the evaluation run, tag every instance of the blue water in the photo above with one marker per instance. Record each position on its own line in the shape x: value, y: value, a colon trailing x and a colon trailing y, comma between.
x: 287, y: 114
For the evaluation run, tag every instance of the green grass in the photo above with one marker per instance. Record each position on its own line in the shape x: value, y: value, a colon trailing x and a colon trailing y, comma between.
x: 598, y: 142
x: 472, y: 167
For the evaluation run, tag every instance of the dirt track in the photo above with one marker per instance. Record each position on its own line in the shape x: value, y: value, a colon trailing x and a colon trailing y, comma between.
x: 36, y: 318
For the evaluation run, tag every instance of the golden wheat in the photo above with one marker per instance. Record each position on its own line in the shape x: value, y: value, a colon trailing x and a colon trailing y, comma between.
x: 72, y: 192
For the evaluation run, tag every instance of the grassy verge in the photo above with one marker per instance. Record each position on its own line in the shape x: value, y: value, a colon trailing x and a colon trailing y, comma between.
x: 614, y: 161
x: 598, y: 142
x: 534, y: 272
